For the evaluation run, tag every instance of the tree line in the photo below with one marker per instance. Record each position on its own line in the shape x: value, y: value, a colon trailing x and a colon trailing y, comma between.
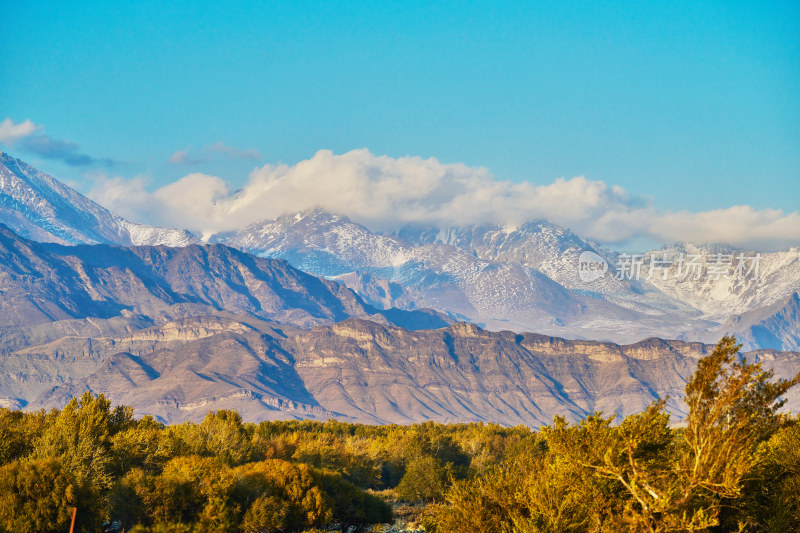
x: 733, y: 466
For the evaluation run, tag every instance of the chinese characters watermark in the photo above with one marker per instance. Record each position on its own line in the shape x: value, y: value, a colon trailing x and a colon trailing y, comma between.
x: 654, y: 265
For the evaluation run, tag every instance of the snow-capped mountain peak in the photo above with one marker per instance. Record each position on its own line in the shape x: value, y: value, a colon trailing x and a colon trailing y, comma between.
x: 40, y: 207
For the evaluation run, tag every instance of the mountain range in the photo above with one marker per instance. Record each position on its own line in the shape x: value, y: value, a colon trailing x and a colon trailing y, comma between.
x: 524, y: 278
x: 527, y: 278
x: 312, y: 315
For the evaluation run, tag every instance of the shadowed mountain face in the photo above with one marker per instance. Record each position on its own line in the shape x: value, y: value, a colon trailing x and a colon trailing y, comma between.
x: 775, y: 326
x: 385, y: 374
x: 174, y: 371
x: 48, y: 282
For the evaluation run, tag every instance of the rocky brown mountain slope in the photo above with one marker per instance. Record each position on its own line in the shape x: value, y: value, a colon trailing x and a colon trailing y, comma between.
x: 358, y: 370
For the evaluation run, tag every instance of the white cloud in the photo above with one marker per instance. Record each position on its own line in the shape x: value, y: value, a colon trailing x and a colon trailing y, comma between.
x: 211, y: 152
x: 182, y: 156
x: 31, y: 138
x: 231, y: 151
x: 128, y: 198
x: 10, y: 132
x: 739, y: 225
x: 192, y: 202
x: 383, y: 193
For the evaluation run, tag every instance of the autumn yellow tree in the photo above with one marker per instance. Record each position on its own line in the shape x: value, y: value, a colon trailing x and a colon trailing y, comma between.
x: 641, y: 474
x: 680, y: 481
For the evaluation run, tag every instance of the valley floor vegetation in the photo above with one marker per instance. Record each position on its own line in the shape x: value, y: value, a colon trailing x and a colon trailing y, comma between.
x: 733, y: 466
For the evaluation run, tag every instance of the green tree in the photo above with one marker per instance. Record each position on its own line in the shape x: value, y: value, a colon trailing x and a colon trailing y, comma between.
x: 80, y: 436
x: 18, y: 431
x: 532, y: 491
x: 142, y: 445
x: 305, y: 501
x: 265, y: 515
x: 225, y: 437
x: 771, y: 496
x: 36, y: 496
x: 353, y: 509
x: 191, y: 490
x: 425, y: 480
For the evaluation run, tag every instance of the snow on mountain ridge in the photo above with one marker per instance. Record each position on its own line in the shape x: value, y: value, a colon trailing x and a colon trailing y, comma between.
x: 523, y: 278
x: 45, y: 209
x: 718, y: 290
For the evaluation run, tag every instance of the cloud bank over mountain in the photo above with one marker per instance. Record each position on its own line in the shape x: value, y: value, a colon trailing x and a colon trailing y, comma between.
x: 384, y: 192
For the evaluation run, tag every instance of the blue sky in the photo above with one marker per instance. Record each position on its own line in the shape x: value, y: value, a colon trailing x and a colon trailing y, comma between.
x: 695, y: 105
